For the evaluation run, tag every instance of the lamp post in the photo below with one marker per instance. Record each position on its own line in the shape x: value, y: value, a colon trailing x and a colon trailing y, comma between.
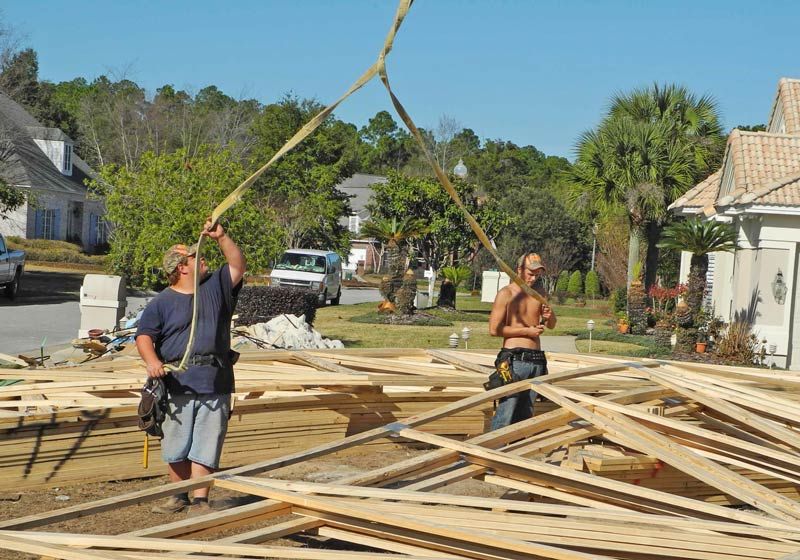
x: 460, y: 170
x: 465, y: 332
x: 453, y: 340
x: 590, y: 328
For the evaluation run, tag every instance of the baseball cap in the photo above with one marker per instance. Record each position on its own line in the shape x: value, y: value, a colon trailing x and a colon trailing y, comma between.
x: 531, y: 261
x: 176, y: 254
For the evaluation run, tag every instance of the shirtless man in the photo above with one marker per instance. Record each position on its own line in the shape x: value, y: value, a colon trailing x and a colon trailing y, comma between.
x: 520, y: 319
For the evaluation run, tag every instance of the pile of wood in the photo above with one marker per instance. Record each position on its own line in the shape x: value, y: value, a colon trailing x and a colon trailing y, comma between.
x: 57, y: 425
x: 576, y: 471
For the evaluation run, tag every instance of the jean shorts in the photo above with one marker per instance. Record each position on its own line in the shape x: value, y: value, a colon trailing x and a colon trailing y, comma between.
x: 195, y: 428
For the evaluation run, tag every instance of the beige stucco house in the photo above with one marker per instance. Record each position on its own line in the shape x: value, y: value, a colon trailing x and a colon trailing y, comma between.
x: 757, y: 190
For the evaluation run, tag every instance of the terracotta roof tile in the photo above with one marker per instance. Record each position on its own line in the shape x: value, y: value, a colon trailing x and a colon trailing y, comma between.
x: 784, y: 192
x: 700, y: 195
x: 759, y: 158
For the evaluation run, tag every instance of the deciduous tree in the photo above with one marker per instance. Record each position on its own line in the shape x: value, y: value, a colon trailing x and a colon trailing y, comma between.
x: 166, y: 201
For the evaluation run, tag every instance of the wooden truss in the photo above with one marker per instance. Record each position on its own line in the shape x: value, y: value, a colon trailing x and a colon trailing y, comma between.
x: 629, y: 460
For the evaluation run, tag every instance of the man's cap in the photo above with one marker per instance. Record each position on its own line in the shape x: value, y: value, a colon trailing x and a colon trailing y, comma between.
x: 176, y: 254
x: 531, y: 261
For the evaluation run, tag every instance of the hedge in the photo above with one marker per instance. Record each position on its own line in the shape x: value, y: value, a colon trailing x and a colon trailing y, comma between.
x: 259, y: 304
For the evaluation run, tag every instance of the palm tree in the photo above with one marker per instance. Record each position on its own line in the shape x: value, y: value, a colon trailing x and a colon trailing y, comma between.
x: 653, y: 145
x: 700, y: 238
x: 393, y: 233
x: 634, y: 165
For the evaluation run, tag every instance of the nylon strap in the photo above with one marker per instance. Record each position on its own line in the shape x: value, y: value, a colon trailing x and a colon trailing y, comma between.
x: 379, y: 67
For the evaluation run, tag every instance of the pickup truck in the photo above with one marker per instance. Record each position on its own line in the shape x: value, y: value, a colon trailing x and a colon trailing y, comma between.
x: 12, y: 265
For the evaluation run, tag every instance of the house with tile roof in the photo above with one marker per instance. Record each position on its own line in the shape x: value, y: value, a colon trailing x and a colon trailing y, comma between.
x: 364, y: 252
x: 757, y: 190
x: 42, y: 162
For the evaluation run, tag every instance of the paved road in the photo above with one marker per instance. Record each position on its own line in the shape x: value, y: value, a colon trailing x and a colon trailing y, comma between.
x: 22, y: 327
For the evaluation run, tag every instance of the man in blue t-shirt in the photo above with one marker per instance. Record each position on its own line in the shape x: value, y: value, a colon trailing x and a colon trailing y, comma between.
x: 200, y: 397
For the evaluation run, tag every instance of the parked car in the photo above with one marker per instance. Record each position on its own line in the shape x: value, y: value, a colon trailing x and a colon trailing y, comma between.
x: 12, y: 265
x: 310, y: 269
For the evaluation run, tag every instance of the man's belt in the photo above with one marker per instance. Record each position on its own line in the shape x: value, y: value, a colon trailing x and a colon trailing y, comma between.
x: 200, y: 360
x: 523, y: 355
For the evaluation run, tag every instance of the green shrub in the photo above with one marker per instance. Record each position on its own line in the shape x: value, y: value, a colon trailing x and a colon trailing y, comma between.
x: 592, y: 288
x: 49, y: 250
x: 619, y: 300
x: 575, y: 286
x: 562, y: 284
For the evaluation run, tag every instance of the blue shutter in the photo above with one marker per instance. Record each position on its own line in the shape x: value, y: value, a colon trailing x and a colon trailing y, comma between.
x: 92, y: 230
x: 56, y: 224
x: 38, y: 227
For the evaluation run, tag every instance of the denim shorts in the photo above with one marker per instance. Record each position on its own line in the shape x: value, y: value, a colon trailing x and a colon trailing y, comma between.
x: 195, y: 428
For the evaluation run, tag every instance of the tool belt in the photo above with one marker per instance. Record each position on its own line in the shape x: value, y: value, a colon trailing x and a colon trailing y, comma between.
x: 153, y: 407
x: 522, y: 355
x: 503, y: 373
x: 208, y: 360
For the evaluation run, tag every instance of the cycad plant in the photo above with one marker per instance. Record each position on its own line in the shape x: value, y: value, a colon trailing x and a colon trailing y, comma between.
x: 453, y: 276
x: 700, y: 238
x: 394, y: 234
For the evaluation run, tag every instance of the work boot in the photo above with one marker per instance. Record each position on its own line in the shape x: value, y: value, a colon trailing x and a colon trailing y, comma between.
x: 173, y: 504
x: 198, y: 507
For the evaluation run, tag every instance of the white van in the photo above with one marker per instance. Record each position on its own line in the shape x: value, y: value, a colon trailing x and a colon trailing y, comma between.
x: 309, y: 269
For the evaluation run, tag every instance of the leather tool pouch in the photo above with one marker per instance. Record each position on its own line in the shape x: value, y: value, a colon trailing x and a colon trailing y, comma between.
x: 153, y: 407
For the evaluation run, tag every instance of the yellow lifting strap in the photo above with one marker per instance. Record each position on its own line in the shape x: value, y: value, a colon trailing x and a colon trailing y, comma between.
x: 379, y: 67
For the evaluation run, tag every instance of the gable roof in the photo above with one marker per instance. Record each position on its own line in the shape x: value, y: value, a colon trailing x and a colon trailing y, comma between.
x: 760, y: 168
x: 785, y: 114
x: 359, y: 189
x: 758, y: 159
x: 24, y: 163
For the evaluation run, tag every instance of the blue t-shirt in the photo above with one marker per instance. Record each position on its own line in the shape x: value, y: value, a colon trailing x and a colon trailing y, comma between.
x: 167, y: 319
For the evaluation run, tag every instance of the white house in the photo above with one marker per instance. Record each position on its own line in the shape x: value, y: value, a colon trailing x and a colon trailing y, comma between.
x: 757, y: 190
x: 42, y: 162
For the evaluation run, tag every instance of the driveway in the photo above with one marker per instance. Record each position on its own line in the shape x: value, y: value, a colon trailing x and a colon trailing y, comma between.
x: 48, y: 309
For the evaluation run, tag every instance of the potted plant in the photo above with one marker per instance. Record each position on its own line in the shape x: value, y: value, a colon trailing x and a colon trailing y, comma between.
x: 702, y: 341
x: 622, y: 322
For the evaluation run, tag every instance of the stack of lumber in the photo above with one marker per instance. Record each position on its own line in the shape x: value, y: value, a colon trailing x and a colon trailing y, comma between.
x: 732, y: 431
x: 57, y: 425
x: 650, y: 472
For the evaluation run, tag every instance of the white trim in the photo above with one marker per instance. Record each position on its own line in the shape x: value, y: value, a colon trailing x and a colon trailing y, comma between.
x: 727, y: 178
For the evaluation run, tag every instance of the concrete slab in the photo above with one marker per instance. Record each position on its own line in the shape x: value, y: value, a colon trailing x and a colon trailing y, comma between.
x: 563, y: 344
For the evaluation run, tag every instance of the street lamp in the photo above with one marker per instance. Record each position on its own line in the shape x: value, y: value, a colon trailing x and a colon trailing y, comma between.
x: 460, y: 170
x: 465, y: 332
x: 590, y: 328
x: 453, y: 340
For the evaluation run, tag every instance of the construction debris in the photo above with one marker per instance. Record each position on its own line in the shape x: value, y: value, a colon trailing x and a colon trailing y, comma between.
x: 628, y: 460
x: 284, y: 331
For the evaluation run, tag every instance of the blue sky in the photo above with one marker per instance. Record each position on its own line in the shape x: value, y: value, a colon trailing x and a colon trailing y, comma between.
x: 533, y: 72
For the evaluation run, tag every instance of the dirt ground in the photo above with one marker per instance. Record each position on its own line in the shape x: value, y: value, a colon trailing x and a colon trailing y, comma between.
x: 122, y: 520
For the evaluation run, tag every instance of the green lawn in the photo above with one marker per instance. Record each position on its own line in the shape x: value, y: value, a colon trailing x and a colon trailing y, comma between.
x: 335, y: 322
